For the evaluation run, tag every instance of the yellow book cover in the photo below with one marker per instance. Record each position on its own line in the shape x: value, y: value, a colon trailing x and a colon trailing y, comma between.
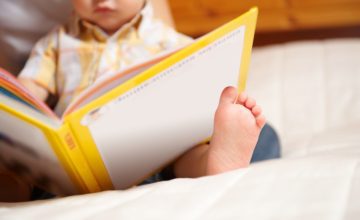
x: 123, y: 129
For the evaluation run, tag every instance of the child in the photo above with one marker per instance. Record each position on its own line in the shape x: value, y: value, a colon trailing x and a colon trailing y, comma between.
x: 106, y: 36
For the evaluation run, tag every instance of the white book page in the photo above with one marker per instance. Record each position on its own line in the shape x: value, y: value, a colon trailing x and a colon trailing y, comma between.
x: 25, y: 150
x: 155, y: 122
x: 20, y: 90
x: 29, y: 111
x: 109, y: 82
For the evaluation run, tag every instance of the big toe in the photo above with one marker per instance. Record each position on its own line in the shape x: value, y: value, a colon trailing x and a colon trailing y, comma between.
x: 228, y: 95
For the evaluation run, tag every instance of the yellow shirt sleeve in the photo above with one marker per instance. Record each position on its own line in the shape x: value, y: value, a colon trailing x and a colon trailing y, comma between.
x: 42, y: 64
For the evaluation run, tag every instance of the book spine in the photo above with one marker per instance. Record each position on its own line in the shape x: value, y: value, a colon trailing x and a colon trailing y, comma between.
x: 75, y: 161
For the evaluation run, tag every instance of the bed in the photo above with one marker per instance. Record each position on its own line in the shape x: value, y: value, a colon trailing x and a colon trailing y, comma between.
x: 310, y: 93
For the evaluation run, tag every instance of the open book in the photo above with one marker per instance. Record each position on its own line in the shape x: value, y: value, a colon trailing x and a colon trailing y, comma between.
x: 128, y: 126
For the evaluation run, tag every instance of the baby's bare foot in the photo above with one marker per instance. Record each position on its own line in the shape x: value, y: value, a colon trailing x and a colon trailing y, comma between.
x: 237, y: 125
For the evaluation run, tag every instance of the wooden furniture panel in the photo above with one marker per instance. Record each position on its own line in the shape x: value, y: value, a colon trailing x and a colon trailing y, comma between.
x: 196, y: 17
x: 225, y: 6
x: 331, y: 15
x: 305, y: 3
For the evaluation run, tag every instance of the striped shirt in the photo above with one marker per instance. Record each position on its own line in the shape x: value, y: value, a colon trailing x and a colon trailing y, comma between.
x: 73, y: 56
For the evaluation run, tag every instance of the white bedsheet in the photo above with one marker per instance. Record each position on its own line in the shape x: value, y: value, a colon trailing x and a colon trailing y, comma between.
x: 306, y: 88
x: 310, y: 93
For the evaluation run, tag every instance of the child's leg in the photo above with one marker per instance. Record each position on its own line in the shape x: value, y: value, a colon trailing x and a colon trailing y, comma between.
x: 237, y: 125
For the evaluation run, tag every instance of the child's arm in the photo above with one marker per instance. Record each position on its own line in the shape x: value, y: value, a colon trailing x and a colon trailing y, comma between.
x: 35, y: 89
x: 38, y: 75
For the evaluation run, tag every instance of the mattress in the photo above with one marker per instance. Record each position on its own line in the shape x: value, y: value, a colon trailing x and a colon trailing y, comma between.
x: 310, y: 93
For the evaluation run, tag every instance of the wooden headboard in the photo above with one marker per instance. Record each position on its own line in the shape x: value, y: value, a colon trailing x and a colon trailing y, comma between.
x: 196, y: 17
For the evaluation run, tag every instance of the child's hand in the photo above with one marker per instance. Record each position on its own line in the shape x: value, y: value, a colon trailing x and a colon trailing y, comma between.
x: 36, y: 90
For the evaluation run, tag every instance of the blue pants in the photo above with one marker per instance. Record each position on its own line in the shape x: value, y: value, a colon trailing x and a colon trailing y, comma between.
x: 268, y: 145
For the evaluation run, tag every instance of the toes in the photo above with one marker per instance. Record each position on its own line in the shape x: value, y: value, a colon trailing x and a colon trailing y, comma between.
x: 228, y: 95
x: 250, y: 103
x: 260, y: 121
x: 256, y: 110
x: 242, y: 98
